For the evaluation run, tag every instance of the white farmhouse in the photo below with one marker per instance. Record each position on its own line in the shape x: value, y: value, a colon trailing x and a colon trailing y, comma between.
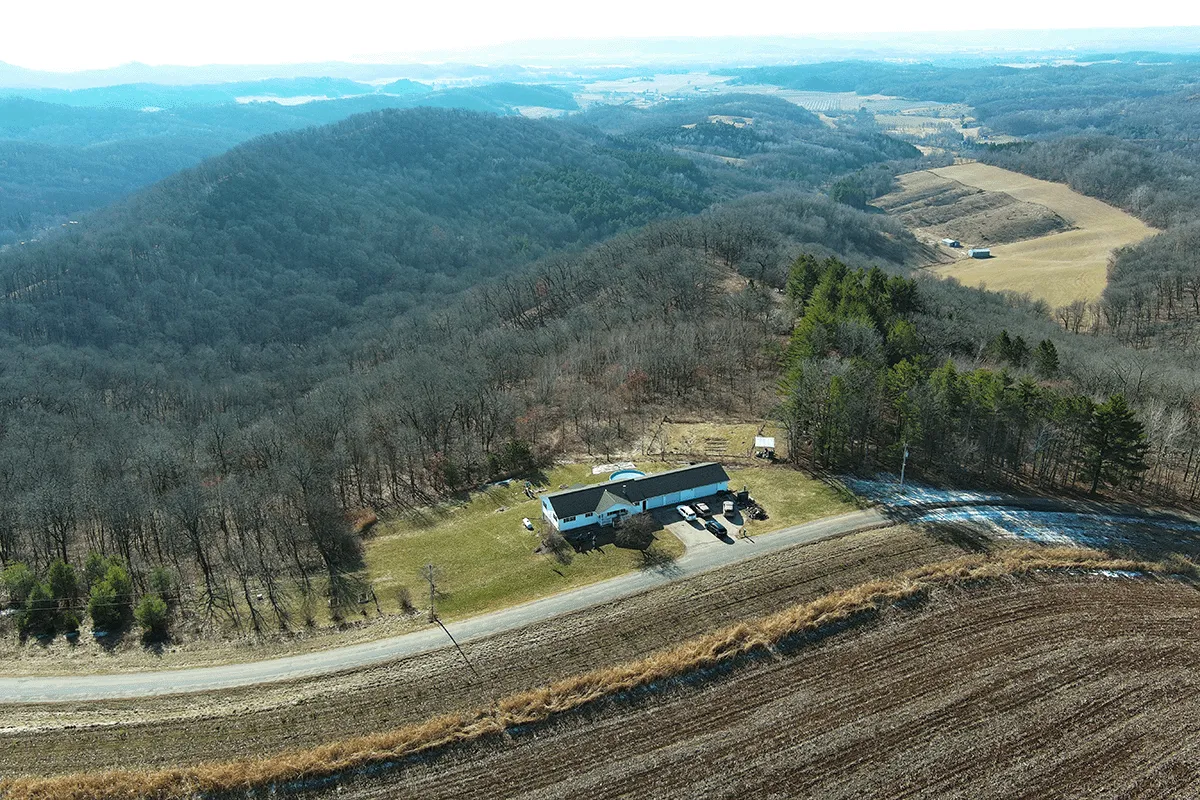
x: 606, y: 503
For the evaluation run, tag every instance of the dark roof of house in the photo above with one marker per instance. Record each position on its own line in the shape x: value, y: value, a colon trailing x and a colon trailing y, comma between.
x: 601, y: 496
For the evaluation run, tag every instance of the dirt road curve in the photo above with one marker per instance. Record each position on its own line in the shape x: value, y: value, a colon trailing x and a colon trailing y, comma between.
x: 1051, y: 689
x: 710, y: 555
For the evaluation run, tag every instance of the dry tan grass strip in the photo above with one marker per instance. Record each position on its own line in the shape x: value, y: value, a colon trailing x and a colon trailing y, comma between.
x: 539, y: 705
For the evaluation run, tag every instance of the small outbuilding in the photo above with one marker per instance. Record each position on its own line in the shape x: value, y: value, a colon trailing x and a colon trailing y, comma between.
x: 764, y: 446
x: 951, y: 243
x: 980, y: 252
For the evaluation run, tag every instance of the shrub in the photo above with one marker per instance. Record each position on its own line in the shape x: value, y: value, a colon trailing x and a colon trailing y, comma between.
x: 162, y: 583
x: 63, y: 582
x: 151, y: 614
x: 68, y: 622
x: 18, y: 580
x: 40, y: 610
x: 94, y: 567
x: 106, y: 608
x: 636, y: 532
x: 118, y: 578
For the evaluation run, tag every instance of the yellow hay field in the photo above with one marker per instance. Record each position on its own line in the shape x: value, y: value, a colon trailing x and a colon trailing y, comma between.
x: 1059, y: 268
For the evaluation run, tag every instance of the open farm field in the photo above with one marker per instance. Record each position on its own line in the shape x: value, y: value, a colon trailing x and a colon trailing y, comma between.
x: 44, y: 739
x: 1046, y: 239
x: 1079, y: 688
x: 934, y: 207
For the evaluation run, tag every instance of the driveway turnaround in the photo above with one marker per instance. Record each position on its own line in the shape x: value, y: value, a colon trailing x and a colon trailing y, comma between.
x: 699, y: 558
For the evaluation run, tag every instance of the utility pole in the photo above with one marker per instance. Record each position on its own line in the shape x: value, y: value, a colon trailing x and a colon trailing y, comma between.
x: 903, y: 464
x: 432, y: 591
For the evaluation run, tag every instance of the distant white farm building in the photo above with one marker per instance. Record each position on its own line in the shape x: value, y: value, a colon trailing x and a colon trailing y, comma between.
x: 980, y: 252
x: 629, y: 492
x: 951, y: 242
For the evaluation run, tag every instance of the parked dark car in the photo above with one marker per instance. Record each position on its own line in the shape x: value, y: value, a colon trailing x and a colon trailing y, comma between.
x: 714, y: 527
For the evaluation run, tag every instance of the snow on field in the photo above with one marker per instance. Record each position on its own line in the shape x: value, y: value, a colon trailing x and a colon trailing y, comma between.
x: 996, y: 514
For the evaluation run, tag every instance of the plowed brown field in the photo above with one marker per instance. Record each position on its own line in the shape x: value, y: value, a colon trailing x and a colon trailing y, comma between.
x: 165, y: 731
x: 1078, y: 687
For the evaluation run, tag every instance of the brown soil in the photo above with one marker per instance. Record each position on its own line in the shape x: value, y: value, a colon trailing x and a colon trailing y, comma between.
x: 157, y: 732
x: 937, y: 207
x: 1078, y: 688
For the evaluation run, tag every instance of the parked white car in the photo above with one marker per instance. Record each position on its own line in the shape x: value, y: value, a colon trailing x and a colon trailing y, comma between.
x: 727, y: 507
x: 686, y: 512
x: 703, y: 510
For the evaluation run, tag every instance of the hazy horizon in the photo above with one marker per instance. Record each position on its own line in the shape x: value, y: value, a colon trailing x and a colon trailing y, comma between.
x: 97, y: 37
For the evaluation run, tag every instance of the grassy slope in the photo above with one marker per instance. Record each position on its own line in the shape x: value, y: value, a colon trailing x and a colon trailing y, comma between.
x: 485, y: 557
x: 1058, y: 268
x: 789, y: 497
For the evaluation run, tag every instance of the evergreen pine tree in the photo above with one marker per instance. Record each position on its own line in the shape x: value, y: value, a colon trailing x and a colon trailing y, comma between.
x: 1045, y: 359
x: 1116, y: 443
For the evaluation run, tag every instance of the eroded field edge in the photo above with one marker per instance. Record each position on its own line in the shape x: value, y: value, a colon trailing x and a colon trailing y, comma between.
x: 701, y: 659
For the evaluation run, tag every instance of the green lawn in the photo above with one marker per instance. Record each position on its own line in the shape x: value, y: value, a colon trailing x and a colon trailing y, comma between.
x: 484, y: 557
x: 788, y: 496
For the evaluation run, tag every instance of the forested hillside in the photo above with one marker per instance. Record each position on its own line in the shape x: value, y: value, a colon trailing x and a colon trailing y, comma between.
x: 767, y: 134
x: 971, y: 383
x: 1123, y: 132
x: 61, y: 160
x: 210, y: 376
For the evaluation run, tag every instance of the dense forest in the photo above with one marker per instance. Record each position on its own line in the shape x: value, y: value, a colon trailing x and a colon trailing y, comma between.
x: 59, y: 160
x: 211, y: 377
x: 878, y: 365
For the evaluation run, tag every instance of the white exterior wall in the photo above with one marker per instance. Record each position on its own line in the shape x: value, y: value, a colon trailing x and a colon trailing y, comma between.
x: 606, y: 518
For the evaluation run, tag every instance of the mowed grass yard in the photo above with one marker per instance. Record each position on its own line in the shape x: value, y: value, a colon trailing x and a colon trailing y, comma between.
x: 789, y: 497
x: 1059, y: 268
x: 483, y: 557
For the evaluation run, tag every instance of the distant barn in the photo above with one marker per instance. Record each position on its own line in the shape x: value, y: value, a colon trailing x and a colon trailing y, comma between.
x: 951, y: 243
x: 980, y: 252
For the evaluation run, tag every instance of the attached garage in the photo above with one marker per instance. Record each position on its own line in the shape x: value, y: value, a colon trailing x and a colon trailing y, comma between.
x: 595, y: 504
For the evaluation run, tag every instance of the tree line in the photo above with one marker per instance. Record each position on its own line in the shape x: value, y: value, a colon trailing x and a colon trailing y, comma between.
x: 865, y: 380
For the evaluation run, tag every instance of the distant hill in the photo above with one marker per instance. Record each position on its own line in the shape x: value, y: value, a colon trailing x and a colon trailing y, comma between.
x: 294, y: 234
x: 137, y: 96
x: 63, y: 160
x: 516, y: 94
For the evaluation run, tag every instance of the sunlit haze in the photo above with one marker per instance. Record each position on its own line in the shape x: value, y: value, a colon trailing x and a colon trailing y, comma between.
x: 83, y: 35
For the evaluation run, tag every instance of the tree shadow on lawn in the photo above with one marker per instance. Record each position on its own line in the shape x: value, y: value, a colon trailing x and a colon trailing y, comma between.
x: 658, y: 560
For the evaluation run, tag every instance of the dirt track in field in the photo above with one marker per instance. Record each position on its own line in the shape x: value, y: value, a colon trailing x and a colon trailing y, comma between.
x: 1046, y: 239
x: 164, y: 731
x: 1081, y: 687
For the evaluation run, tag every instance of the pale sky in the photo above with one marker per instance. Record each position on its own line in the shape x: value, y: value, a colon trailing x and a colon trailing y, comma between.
x: 82, y: 34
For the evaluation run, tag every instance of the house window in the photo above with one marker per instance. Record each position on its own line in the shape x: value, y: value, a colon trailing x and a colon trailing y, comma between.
x: 588, y: 514
x: 568, y: 519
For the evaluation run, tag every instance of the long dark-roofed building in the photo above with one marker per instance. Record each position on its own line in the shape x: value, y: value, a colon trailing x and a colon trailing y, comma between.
x: 630, y: 493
